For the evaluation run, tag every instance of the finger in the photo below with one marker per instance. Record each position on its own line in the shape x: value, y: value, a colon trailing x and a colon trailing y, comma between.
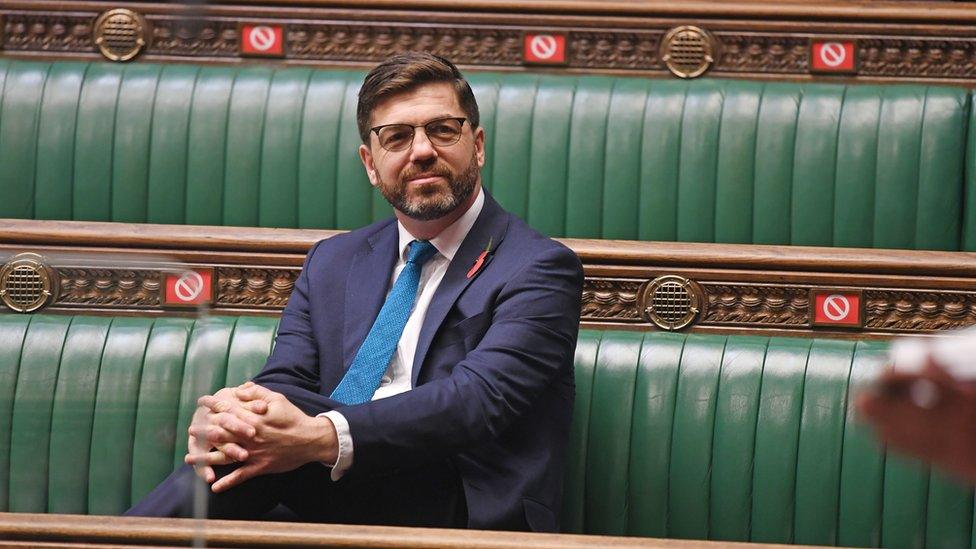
x: 213, y: 403
x: 208, y: 459
x: 248, y: 412
x: 242, y: 414
x: 234, y: 451
x: 259, y: 407
x: 235, y: 477
x: 200, y: 412
x: 936, y: 372
x: 234, y: 424
x: 206, y: 473
x: 254, y: 392
x: 210, y: 435
x: 196, y: 445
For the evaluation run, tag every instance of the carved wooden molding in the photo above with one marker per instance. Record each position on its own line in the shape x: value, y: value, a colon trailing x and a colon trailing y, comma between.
x: 752, y: 39
x: 610, y: 299
x: 118, y: 267
x: 616, y: 50
x: 108, y: 287
x: 266, y: 288
x: 918, y: 58
x: 763, y: 53
x: 126, y: 288
x: 183, y: 37
x: 756, y: 305
x: 374, y: 43
x: 919, y: 311
x: 753, y: 305
x: 48, y: 32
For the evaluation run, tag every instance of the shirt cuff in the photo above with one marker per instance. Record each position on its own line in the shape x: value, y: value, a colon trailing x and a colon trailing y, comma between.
x: 344, y: 460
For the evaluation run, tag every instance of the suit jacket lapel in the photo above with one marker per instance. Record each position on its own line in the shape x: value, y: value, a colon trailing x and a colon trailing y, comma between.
x: 368, y: 280
x: 491, y: 225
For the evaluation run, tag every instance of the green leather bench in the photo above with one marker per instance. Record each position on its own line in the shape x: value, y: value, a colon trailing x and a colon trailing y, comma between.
x: 687, y: 436
x: 590, y: 157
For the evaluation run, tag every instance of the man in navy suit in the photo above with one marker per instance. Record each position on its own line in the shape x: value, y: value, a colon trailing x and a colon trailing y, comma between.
x: 423, y: 369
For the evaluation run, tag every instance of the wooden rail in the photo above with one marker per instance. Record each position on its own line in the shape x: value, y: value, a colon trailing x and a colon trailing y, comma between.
x: 164, y: 238
x: 115, y: 268
x: 94, y: 531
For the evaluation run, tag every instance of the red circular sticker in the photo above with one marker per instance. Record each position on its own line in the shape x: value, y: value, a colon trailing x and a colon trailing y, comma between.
x: 836, y: 307
x: 833, y: 54
x: 262, y: 38
x: 189, y: 286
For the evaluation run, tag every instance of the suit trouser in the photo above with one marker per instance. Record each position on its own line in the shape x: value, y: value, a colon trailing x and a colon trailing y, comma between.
x: 429, y: 496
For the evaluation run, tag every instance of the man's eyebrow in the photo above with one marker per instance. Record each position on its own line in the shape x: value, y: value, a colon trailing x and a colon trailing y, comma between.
x: 431, y: 119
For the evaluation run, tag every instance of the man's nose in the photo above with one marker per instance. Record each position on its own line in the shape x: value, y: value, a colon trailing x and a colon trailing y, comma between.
x: 421, y: 149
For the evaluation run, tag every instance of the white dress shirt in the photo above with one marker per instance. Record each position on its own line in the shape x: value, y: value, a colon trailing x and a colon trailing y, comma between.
x: 399, y: 374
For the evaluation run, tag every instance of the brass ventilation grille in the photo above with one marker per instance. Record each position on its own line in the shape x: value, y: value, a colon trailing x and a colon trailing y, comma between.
x: 671, y: 302
x: 120, y: 34
x: 26, y: 284
x: 687, y: 51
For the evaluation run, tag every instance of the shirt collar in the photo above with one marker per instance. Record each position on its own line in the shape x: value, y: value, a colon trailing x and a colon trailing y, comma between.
x: 450, y: 239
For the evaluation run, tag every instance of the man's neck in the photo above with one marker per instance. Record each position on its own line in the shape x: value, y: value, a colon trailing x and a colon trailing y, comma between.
x: 427, y: 230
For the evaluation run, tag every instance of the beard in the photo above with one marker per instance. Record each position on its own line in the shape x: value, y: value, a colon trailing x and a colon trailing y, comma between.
x: 432, y: 201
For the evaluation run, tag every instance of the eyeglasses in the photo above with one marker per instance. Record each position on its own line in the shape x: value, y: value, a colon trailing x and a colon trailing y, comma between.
x: 442, y: 132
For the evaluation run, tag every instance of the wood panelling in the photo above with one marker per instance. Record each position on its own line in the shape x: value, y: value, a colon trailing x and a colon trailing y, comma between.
x: 119, y: 268
x: 894, y: 41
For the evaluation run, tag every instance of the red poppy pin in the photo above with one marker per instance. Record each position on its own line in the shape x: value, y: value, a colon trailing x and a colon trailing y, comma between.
x: 480, y: 261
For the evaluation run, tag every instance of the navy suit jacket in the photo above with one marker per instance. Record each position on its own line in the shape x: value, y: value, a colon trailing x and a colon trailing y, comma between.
x: 493, y: 372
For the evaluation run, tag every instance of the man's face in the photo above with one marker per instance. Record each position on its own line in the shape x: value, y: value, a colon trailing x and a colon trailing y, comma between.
x: 424, y: 181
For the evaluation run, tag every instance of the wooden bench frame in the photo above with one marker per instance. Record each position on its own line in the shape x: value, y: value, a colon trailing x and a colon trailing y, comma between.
x: 909, y: 41
x: 90, y: 532
x: 117, y: 268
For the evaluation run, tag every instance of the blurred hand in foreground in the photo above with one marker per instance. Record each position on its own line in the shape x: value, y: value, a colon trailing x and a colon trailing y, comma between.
x: 927, y: 414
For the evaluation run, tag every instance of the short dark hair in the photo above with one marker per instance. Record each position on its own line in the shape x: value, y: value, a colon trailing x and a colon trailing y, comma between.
x: 405, y: 72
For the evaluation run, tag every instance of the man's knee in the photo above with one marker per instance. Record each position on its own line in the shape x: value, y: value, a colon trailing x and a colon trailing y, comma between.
x: 171, y: 498
x: 184, y: 495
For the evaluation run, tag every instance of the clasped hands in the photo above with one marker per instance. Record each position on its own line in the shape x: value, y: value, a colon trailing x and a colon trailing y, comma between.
x: 258, y: 428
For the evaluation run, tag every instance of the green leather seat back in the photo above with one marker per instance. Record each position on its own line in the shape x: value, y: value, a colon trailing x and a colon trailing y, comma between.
x: 969, y: 209
x: 182, y: 144
x: 576, y: 156
x: 746, y: 439
x: 94, y: 410
x: 683, y: 436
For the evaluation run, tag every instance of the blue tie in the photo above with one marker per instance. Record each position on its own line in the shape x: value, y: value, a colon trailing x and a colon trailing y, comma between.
x: 373, y: 357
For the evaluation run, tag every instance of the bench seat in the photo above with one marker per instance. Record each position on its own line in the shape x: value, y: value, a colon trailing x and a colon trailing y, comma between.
x: 674, y: 435
x: 728, y: 161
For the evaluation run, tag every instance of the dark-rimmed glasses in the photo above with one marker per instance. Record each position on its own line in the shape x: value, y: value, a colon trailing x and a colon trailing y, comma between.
x: 442, y: 132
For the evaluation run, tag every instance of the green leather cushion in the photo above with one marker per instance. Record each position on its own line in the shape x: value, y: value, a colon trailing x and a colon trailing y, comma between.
x: 691, y: 436
x: 94, y: 410
x: 576, y: 156
x: 746, y: 439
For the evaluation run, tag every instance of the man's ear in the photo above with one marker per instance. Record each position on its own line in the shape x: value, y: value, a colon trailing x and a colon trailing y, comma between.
x: 479, y: 145
x: 367, y: 157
